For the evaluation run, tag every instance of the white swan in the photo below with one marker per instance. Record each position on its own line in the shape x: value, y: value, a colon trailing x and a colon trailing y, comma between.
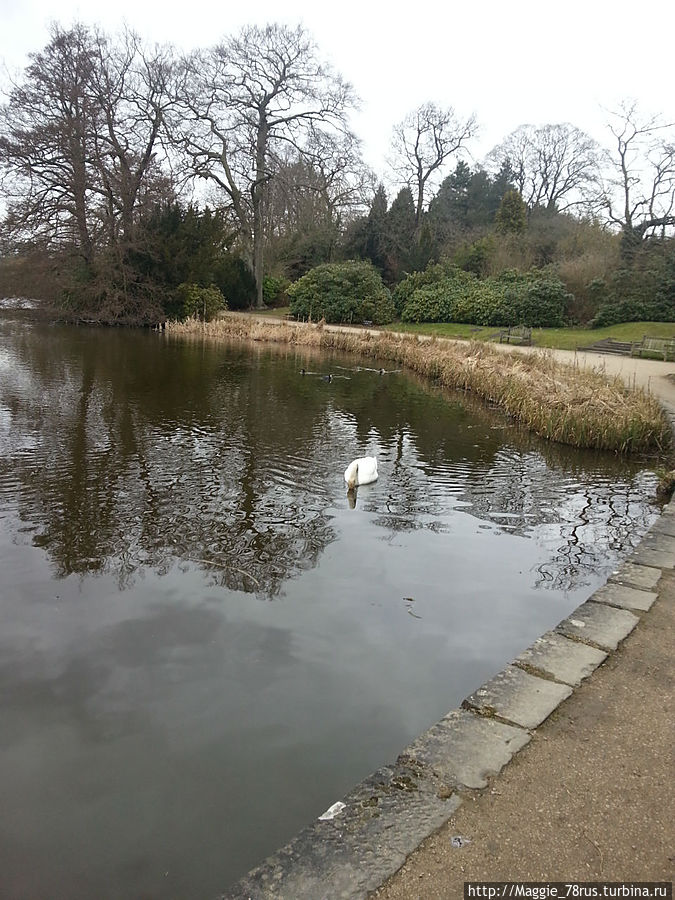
x: 361, y: 471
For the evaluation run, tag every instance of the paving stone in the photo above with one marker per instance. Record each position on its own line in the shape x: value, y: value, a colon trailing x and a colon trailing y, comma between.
x: 463, y: 749
x: 565, y: 660
x: 625, y: 597
x: 665, y: 524
x: 519, y: 697
x: 650, y: 556
x: 385, y: 818
x: 655, y: 549
x: 599, y: 624
x: 644, y: 578
x: 658, y: 540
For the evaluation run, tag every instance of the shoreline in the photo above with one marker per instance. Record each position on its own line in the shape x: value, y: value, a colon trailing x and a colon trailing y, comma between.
x: 372, y: 843
x: 565, y: 403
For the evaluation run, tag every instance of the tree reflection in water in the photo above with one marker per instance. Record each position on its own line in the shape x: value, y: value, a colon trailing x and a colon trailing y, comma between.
x: 123, y: 451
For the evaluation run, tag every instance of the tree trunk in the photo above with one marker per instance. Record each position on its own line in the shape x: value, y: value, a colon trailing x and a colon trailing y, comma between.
x: 257, y: 198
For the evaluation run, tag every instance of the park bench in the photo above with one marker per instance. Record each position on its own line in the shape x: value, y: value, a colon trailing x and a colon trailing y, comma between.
x: 518, y: 334
x: 655, y: 346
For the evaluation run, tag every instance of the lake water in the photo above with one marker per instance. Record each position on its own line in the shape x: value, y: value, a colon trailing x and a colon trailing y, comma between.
x: 202, y: 645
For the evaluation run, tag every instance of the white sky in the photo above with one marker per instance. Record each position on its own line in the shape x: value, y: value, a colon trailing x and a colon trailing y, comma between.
x: 532, y: 61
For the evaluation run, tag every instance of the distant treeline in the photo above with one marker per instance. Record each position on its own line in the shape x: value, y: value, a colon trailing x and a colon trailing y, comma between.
x: 141, y: 185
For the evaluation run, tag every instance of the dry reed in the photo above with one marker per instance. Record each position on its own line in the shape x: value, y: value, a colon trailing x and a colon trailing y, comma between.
x: 559, y: 402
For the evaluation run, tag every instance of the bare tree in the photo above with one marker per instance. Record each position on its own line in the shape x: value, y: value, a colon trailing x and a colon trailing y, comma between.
x: 423, y: 142
x: 639, y: 195
x: 132, y: 88
x: 79, y: 138
x: 46, y: 144
x: 242, y: 102
x: 553, y: 166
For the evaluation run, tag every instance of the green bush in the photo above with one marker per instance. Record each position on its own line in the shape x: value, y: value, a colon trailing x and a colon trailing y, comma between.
x: 634, y: 309
x: 644, y: 291
x: 342, y: 292
x: 194, y: 301
x: 440, y: 300
x: 273, y: 290
x: 475, y: 257
x: 433, y: 274
x: 536, y: 299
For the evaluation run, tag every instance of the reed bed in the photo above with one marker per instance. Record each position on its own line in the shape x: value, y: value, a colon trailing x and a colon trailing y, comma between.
x: 562, y: 403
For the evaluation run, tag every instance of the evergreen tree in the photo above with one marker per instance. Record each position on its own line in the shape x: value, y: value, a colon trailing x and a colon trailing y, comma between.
x: 400, y: 236
x: 511, y: 216
x: 376, y: 229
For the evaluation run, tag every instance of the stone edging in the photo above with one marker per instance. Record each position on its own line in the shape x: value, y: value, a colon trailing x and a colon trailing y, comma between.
x: 368, y: 837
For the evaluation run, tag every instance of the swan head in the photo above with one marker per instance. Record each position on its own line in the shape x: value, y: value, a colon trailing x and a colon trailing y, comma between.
x: 352, y: 475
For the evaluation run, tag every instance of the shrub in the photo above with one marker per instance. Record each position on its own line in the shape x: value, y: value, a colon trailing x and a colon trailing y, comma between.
x: 475, y: 257
x: 194, y: 301
x: 536, y: 299
x: 350, y: 291
x: 634, y: 309
x: 440, y: 300
x: 433, y: 274
x: 273, y: 290
x: 645, y: 291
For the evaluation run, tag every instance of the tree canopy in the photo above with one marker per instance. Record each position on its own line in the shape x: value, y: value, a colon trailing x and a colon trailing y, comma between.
x: 136, y: 180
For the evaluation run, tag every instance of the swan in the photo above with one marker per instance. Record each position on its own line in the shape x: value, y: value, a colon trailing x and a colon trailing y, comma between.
x: 361, y: 471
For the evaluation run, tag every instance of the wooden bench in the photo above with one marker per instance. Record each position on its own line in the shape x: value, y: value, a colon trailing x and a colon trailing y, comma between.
x: 655, y: 346
x: 518, y: 334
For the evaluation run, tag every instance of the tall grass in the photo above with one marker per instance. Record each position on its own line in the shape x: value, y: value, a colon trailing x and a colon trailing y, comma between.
x: 559, y: 402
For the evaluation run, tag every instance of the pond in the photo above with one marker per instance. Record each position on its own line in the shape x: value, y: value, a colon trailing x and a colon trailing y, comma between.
x: 202, y: 644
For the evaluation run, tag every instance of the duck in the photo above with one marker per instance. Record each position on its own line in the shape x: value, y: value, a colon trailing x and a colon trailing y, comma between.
x: 361, y: 471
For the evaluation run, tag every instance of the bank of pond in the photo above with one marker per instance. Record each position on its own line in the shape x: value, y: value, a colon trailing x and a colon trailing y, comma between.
x: 204, y: 640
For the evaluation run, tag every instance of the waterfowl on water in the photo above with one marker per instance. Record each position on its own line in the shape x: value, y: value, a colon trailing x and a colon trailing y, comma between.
x: 361, y: 471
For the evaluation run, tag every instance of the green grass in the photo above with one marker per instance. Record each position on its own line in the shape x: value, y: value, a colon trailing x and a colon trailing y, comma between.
x: 279, y: 312
x: 556, y: 338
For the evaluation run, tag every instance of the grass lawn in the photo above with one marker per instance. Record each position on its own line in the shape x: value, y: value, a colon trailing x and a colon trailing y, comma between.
x: 278, y: 312
x: 557, y: 338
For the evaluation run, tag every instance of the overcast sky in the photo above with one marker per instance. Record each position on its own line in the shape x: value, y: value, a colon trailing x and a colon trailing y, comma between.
x: 514, y: 62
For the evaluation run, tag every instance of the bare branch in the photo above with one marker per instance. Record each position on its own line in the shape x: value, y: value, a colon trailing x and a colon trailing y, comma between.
x: 422, y: 144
